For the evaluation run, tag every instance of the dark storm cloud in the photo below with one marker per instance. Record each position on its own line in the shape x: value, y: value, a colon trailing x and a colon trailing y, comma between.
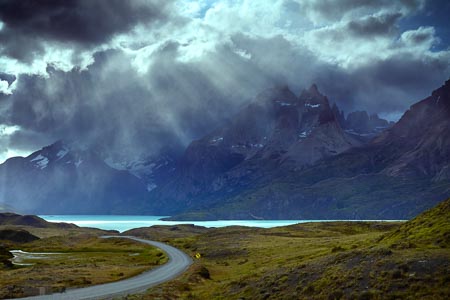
x: 374, y: 25
x: 119, y: 111
x: 422, y: 36
x: 332, y: 10
x: 20, y: 47
x: 386, y: 86
x: 7, y: 77
x: 171, y: 83
x: 112, y: 108
x: 81, y: 106
x: 24, y: 140
x: 84, y: 23
x: 369, y: 27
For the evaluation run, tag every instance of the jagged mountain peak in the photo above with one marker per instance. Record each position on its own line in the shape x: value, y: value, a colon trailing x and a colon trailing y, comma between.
x: 62, y: 152
x: 313, y: 89
x: 59, y: 146
x: 423, y: 133
x: 403, y: 171
x: 312, y: 93
x: 278, y: 94
x: 422, y: 118
x: 275, y: 133
x: 439, y: 98
x: 442, y: 96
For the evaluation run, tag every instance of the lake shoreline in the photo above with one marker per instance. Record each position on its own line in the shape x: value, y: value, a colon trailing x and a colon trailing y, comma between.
x: 123, y: 223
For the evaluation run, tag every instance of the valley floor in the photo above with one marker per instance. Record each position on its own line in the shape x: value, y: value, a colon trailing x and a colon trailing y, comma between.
x: 330, y: 260
x: 78, y: 258
x: 342, y: 260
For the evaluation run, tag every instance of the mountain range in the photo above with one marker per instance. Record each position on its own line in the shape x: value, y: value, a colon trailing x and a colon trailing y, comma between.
x: 275, y: 133
x: 282, y: 156
x: 387, y: 178
x: 63, y: 179
x: 325, y: 172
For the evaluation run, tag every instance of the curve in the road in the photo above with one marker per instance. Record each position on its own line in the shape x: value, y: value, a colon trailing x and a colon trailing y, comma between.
x: 178, y: 263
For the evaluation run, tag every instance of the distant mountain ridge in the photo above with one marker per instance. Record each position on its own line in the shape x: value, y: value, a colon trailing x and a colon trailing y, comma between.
x: 63, y: 179
x: 360, y: 124
x: 275, y: 133
x: 387, y: 178
x: 281, y: 157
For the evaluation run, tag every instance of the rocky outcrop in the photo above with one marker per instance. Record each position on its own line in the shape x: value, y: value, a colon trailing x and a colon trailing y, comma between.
x: 423, y: 135
x: 360, y: 124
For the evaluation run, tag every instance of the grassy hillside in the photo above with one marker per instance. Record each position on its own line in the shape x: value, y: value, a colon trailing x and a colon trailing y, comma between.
x: 337, y: 260
x: 16, y: 236
x: 30, y: 220
x: 329, y: 260
x: 430, y: 229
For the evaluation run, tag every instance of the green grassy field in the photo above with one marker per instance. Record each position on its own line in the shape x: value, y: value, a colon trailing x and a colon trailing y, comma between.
x: 338, y: 260
x: 82, y: 259
x: 329, y: 260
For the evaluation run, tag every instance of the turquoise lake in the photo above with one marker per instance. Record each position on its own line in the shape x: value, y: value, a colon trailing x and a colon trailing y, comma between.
x: 123, y: 223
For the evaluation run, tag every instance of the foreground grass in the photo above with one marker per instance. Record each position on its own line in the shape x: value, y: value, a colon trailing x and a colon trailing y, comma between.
x: 82, y: 260
x: 336, y: 260
x: 339, y: 260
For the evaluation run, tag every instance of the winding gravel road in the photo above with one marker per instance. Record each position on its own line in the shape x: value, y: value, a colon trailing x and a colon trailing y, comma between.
x: 178, y: 263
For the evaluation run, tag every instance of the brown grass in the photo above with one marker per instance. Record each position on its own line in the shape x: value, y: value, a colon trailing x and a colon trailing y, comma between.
x: 83, y: 260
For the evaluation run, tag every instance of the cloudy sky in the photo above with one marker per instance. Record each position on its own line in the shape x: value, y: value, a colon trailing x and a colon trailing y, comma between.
x: 135, y: 77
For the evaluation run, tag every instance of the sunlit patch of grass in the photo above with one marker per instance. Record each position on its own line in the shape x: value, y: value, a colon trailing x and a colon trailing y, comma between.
x: 335, y: 260
x: 83, y: 260
x: 338, y: 260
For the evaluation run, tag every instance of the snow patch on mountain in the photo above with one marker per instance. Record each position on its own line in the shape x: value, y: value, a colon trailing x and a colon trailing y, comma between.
x: 151, y: 186
x: 351, y: 131
x: 303, y: 134
x: 282, y: 103
x: 61, y: 153
x: 312, y: 105
x: 41, y: 161
x: 217, y: 140
x: 256, y: 145
x: 142, y: 168
x: 78, y: 162
x: 247, y: 145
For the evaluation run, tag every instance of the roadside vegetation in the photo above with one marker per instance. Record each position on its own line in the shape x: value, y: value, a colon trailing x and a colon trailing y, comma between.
x: 78, y: 257
x: 337, y: 260
x: 329, y: 260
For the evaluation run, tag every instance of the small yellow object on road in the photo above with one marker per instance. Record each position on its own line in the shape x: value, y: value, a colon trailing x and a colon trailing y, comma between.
x: 198, y: 255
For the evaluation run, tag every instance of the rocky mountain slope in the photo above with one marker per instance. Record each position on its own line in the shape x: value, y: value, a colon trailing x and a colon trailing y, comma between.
x: 152, y: 170
x: 63, y: 179
x: 281, y: 156
x: 276, y: 133
x: 387, y: 178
